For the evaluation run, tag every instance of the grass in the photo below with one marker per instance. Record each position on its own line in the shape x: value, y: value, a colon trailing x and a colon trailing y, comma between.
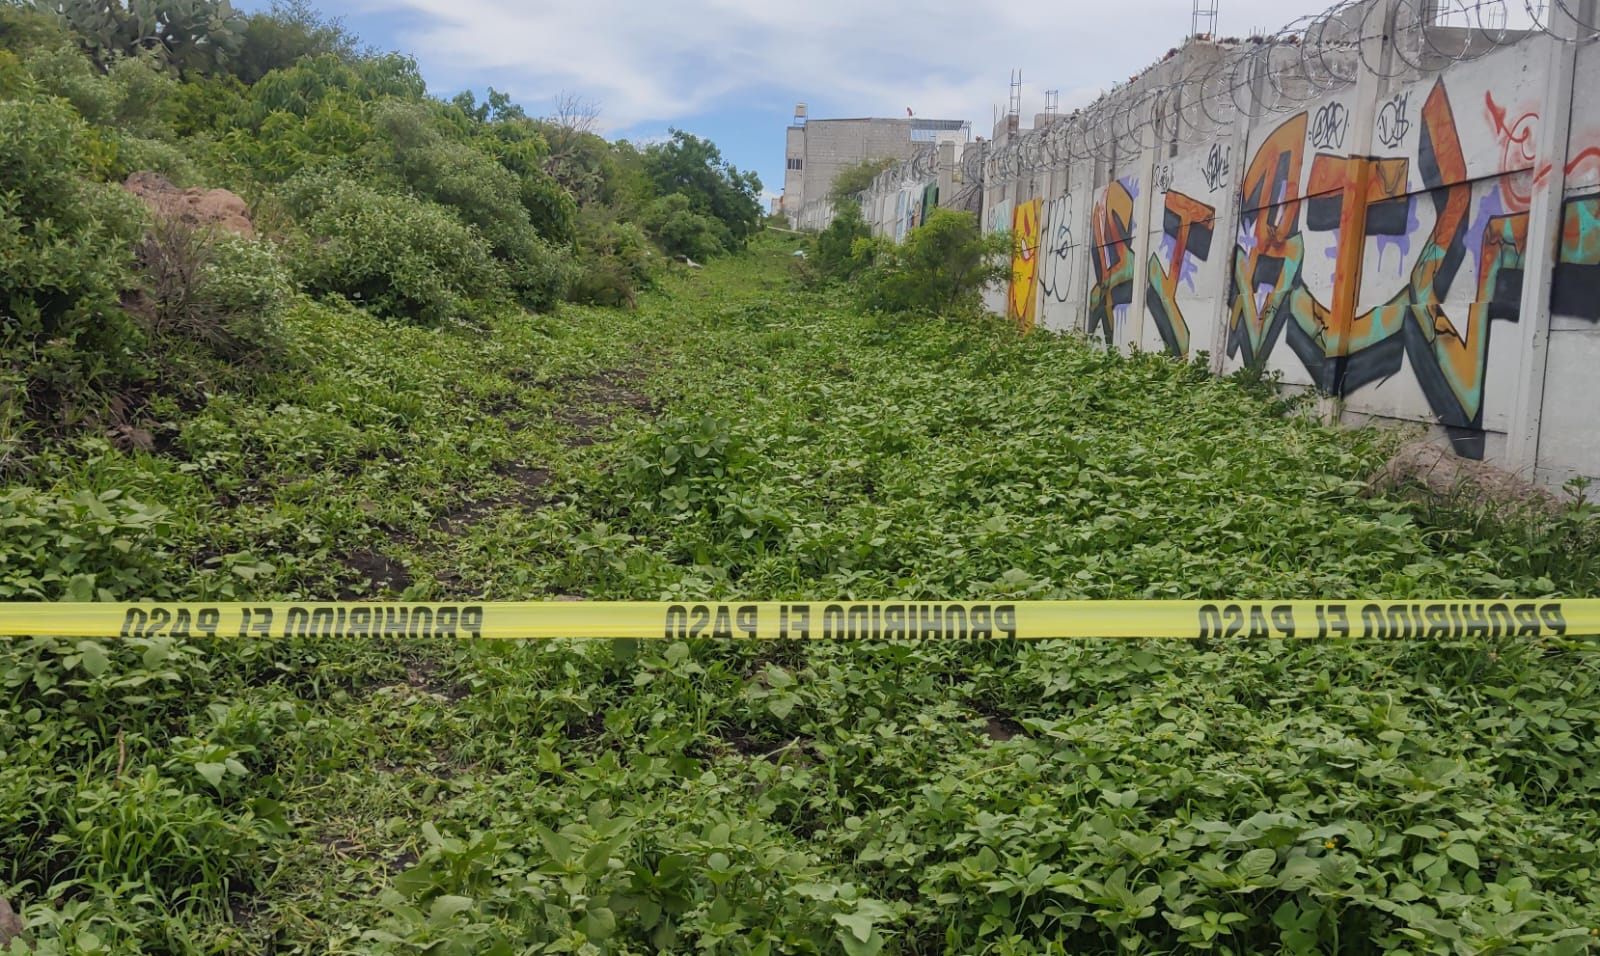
x: 737, y: 437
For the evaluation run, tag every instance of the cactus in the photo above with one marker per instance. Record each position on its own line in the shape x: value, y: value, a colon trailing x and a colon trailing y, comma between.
x: 191, y: 36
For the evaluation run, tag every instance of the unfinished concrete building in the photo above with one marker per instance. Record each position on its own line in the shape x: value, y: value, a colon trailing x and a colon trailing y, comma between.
x: 818, y: 149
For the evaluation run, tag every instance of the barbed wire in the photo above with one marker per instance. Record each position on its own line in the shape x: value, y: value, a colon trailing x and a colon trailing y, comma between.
x: 1220, y: 81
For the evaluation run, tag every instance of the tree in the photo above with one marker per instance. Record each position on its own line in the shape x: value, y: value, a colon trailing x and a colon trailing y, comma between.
x: 832, y: 252
x: 276, y: 38
x: 852, y: 181
x: 694, y: 167
x: 574, y: 117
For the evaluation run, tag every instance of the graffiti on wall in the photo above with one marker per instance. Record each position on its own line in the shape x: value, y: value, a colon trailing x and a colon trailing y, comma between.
x: 1186, y: 237
x: 1448, y: 354
x: 1111, y: 223
x: 1575, y: 286
x: 1056, y: 249
x: 1215, y: 170
x: 1023, y: 298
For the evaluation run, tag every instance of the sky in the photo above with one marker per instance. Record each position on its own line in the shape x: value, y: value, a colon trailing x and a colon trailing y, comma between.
x: 733, y: 70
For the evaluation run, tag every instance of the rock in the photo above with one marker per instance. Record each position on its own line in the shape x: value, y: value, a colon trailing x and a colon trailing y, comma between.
x: 200, y: 208
x: 10, y: 924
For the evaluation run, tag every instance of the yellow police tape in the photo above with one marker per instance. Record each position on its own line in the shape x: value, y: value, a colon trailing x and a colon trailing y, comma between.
x: 837, y: 620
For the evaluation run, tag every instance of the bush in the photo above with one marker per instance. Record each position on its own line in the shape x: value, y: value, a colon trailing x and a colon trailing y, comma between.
x: 66, y: 250
x: 398, y: 255
x: 683, y: 232
x: 613, y: 266
x: 832, y: 252
x: 943, y: 266
x: 485, y: 193
x: 222, y: 292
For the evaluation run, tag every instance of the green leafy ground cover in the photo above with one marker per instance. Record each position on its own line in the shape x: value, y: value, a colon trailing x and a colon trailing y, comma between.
x: 737, y: 437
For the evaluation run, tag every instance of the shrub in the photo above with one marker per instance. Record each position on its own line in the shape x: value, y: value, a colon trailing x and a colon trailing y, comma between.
x: 942, y: 266
x: 66, y: 250
x: 832, y: 251
x: 398, y: 255
x: 683, y: 232
x: 613, y: 265
x: 222, y: 292
x: 482, y: 191
x: 132, y: 96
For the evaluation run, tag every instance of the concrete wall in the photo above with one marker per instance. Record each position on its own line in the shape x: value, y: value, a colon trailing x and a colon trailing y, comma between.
x: 1414, y: 237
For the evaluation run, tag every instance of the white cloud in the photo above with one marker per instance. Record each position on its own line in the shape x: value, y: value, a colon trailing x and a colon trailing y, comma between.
x: 657, y: 62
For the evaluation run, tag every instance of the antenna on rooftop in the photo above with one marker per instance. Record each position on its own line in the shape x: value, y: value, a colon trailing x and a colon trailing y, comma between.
x: 1052, y: 103
x: 1204, y: 21
x: 1014, y: 106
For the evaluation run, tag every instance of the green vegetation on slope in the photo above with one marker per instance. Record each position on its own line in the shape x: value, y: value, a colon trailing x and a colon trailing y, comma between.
x: 364, y: 189
x: 737, y: 437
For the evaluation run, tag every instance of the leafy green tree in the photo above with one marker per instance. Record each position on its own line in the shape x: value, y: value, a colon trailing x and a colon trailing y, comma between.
x: 694, y: 168
x: 852, y: 181
x: 284, y: 34
x: 832, y: 250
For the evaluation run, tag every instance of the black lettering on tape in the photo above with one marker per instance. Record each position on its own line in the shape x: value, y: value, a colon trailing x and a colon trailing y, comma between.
x: 745, y: 619
x: 1210, y: 621
x: 1553, y: 619
x: 1005, y: 620
x: 894, y: 622
x: 134, y: 622
x: 1283, y: 620
x: 472, y: 622
x: 1338, y: 620
x: 1476, y: 617
x: 722, y: 627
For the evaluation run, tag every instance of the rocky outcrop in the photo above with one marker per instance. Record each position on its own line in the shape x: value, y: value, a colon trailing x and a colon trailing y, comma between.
x: 199, y: 208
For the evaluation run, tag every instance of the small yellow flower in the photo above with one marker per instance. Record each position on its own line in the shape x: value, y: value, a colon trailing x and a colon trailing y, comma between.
x: 1332, y: 845
x: 1443, y: 834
